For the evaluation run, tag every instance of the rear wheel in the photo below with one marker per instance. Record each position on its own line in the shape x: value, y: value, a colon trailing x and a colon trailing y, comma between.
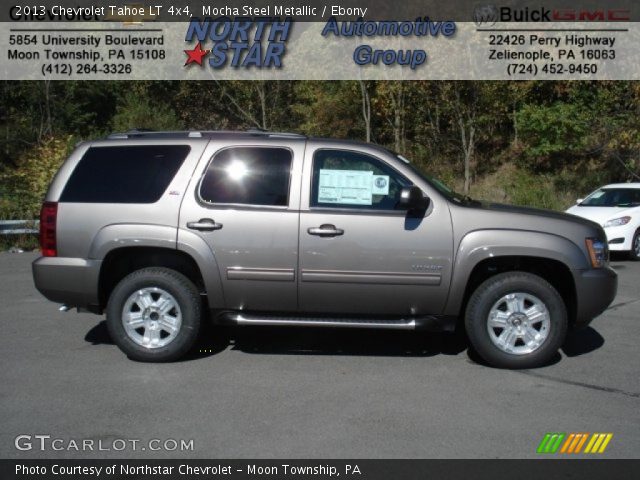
x: 634, y: 254
x: 153, y: 315
x: 516, y: 320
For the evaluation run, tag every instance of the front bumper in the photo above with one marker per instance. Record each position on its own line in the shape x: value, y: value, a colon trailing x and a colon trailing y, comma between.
x: 623, y: 231
x: 72, y: 281
x: 595, y: 290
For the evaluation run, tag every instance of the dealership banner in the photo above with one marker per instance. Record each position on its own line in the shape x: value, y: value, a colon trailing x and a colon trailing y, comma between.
x: 161, y: 40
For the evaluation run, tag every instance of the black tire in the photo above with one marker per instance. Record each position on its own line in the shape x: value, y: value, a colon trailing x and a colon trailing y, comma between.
x: 183, y: 291
x: 491, y: 291
x: 634, y: 254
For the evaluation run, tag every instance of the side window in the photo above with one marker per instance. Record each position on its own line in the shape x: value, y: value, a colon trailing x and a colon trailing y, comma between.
x: 347, y: 179
x: 248, y: 176
x: 130, y: 174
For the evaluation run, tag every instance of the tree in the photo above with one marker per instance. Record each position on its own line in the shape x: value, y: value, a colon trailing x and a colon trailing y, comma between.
x: 30, y: 181
x: 137, y: 111
x: 462, y: 101
x: 390, y: 103
x: 366, y: 108
x: 259, y: 103
x: 330, y: 109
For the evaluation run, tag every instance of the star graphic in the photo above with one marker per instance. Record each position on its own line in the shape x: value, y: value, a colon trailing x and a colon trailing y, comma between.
x: 195, y: 55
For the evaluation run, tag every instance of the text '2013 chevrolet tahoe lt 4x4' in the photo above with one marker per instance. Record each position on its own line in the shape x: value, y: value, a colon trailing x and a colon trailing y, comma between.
x: 162, y: 229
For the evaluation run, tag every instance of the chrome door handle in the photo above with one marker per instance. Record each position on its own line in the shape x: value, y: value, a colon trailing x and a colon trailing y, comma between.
x: 326, y: 230
x: 204, y: 225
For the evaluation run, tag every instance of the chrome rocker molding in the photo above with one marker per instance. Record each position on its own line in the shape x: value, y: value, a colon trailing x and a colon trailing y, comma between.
x: 431, y: 323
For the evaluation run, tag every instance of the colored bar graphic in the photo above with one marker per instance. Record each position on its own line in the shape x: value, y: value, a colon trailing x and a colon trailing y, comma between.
x: 598, y: 443
x: 552, y: 442
x: 567, y: 443
x: 581, y: 443
x: 604, y: 445
x: 543, y: 443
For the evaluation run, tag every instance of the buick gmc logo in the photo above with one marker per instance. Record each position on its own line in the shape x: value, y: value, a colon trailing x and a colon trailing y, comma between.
x: 489, y: 15
x: 485, y: 15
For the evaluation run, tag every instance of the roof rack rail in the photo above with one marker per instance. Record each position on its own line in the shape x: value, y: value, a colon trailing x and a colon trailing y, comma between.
x: 152, y: 133
x: 262, y: 132
x: 141, y: 133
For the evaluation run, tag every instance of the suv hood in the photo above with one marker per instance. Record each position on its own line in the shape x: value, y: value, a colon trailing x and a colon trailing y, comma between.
x: 474, y: 216
x: 601, y: 214
x: 539, y: 212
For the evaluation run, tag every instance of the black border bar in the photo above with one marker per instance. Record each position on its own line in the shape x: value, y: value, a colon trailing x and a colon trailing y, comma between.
x: 547, y: 468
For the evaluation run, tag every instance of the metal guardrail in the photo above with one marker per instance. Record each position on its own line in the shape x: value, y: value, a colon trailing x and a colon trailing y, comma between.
x: 18, y: 227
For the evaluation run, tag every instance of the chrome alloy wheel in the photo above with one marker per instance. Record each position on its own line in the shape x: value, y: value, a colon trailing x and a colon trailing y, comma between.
x: 151, y: 317
x: 518, y: 323
x: 636, y: 245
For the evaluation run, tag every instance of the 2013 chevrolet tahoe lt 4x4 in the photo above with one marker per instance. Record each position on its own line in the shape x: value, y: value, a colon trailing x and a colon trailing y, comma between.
x: 258, y: 228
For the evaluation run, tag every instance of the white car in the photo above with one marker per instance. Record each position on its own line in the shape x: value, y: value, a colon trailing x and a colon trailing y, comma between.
x: 617, y: 208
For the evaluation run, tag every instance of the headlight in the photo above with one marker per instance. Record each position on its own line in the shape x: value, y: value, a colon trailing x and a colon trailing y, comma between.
x: 616, y: 222
x: 597, y: 252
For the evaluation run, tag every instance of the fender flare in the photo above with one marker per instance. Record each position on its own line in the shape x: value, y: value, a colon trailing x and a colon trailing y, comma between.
x: 122, y: 235
x: 480, y: 245
x: 116, y: 236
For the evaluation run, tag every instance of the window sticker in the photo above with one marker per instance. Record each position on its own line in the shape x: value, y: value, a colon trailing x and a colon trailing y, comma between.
x: 349, y: 187
x: 380, y: 185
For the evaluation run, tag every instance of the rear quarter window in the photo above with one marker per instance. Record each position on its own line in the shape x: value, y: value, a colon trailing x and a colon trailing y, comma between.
x: 129, y: 174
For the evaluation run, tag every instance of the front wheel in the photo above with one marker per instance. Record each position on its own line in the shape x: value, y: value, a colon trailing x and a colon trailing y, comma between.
x: 153, y: 315
x: 516, y: 320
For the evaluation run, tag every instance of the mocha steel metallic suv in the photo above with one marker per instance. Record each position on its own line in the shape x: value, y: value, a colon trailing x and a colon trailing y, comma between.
x: 261, y: 228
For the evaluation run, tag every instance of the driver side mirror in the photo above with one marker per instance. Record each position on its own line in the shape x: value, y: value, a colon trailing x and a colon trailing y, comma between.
x: 412, y: 198
x: 579, y: 201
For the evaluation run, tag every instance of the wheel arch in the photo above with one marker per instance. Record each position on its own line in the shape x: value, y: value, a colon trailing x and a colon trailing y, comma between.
x: 483, y: 254
x: 154, y: 244
x: 120, y: 262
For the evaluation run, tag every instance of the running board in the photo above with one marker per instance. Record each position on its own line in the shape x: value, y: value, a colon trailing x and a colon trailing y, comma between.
x: 283, y: 321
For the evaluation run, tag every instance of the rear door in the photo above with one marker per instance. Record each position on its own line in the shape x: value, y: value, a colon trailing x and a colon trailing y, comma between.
x: 244, y: 202
x: 359, y: 254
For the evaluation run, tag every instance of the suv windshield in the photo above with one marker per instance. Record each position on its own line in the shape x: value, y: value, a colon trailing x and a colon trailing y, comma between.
x: 613, y: 197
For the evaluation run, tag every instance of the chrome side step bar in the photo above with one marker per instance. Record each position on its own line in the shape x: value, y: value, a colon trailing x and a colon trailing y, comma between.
x: 389, y: 324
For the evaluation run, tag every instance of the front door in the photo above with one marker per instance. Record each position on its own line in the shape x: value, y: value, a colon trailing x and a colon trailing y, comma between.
x: 359, y: 254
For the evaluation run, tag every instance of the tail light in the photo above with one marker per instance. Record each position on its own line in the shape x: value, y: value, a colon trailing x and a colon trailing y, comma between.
x: 48, y: 220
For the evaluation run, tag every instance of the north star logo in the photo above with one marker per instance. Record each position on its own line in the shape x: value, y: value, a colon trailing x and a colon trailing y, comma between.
x: 195, y: 55
x: 240, y: 43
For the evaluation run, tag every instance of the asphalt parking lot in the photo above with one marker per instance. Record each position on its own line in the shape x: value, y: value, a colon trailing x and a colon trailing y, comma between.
x: 256, y: 393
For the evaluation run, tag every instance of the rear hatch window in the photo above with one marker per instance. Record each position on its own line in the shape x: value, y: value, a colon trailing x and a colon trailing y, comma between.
x: 129, y: 174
